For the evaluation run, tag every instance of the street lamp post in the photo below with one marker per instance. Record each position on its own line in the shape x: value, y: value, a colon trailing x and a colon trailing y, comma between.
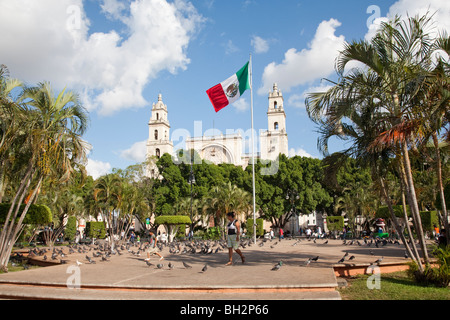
x: 191, y: 181
x: 292, y: 196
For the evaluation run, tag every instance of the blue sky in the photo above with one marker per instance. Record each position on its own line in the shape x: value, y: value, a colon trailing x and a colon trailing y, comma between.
x: 119, y: 55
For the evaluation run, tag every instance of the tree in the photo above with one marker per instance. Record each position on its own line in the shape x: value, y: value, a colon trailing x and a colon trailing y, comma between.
x: 304, y: 175
x: 225, y: 198
x: 374, y: 105
x: 107, y: 194
x: 47, y: 147
x: 172, y: 224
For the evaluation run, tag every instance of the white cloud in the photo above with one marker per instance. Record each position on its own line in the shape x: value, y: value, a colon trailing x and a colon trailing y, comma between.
x: 298, y: 100
x: 305, y: 66
x: 230, y: 47
x: 97, y: 168
x: 299, y: 152
x: 260, y: 45
x: 241, y: 105
x: 137, y: 152
x: 109, y: 71
x: 113, y: 8
x: 440, y: 9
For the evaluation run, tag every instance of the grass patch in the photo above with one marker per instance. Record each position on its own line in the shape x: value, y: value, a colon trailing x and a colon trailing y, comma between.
x: 394, y: 286
x: 18, y: 267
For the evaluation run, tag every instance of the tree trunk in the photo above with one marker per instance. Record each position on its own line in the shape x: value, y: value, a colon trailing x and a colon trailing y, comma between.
x: 7, y: 235
x: 405, y: 214
x: 440, y: 184
x: 396, y: 226
x: 14, y: 229
x: 412, y: 199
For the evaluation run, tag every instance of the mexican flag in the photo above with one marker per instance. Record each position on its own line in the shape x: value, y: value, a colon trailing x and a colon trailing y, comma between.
x: 230, y: 90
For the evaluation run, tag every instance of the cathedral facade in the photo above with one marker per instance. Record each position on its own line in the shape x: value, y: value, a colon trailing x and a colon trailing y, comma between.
x: 228, y: 148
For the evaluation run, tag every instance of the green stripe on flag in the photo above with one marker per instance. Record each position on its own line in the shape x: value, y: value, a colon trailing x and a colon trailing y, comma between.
x: 243, y: 77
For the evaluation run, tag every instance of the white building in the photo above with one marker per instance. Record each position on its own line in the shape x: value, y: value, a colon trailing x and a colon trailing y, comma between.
x: 228, y: 148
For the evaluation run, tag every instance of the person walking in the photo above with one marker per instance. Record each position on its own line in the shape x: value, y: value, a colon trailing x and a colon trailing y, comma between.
x: 152, y: 248
x: 233, y: 233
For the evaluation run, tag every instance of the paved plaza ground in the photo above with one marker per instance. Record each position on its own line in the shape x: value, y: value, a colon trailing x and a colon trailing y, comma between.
x: 127, y: 276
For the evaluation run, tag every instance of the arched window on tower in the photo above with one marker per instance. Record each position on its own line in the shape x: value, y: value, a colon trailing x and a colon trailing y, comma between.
x: 158, y: 153
x: 275, y: 105
x: 157, y: 116
x: 275, y: 126
x: 156, y: 135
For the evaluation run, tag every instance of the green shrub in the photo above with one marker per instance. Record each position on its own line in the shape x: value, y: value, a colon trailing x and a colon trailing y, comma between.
x: 71, y: 228
x: 335, y: 223
x: 383, y: 212
x: 173, y: 220
x: 181, y: 233
x: 259, y: 227
x: 37, y: 214
x: 213, y: 233
x: 429, y: 219
x: 95, y: 230
x: 438, y: 276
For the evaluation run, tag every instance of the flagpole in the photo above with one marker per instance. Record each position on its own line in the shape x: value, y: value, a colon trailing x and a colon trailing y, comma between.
x: 253, y: 151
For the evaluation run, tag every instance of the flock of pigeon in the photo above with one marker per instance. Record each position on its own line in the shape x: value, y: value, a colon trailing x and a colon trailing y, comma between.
x: 103, y: 252
x: 364, y: 242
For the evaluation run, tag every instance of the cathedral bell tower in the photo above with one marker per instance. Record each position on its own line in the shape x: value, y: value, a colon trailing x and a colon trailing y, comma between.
x: 159, y: 131
x: 274, y: 141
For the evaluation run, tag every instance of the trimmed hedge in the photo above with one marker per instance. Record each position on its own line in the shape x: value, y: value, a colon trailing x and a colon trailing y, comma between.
x: 429, y: 219
x: 172, y: 220
x: 438, y: 203
x: 383, y: 212
x: 36, y: 215
x: 71, y: 228
x: 95, y: 229
x: 259, y: 227
x: 335, y: 223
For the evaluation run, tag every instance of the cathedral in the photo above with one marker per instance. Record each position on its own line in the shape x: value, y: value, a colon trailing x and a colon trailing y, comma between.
x: 228, y: 148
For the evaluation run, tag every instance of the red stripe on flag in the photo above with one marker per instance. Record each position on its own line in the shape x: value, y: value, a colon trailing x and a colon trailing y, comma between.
x: 217, y: 97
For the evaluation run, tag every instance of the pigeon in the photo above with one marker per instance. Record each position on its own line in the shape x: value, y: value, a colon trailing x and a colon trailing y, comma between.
x: 342, y: 260
x: 379, y: 260
x: 351, y: 258
x: 149, y: 263
x: 159, y: 265
x: 186, y: 265
x: 406, y: 255
x: 79, y: 263
x: 315, y: 259
x: 276, y: 267
x: 307, y: 262
x: 205, y: 268
x: 326, y: 242
x: 90, y: 260
x: 170, y: 265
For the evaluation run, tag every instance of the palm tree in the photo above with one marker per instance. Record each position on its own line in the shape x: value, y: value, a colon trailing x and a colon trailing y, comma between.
x: 133, y: 203
x: 226, y: 198
x: 108, y: 195
x: 433, y: 116
x: 46, y: 146
x: 373, y: 105
x: 9, y: 126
